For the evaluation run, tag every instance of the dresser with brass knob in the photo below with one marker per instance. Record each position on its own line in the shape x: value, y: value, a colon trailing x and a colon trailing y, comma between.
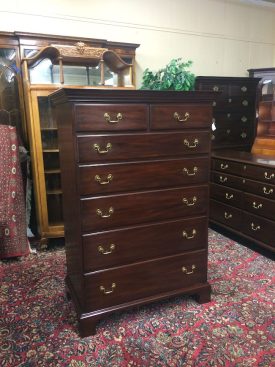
x: 243, y: 196
x: 135, y: 168
x: 234, y: 110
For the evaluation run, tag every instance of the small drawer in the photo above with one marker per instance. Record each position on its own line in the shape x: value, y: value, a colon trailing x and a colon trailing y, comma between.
x: 111, y: 117
x: 266, y: 175
x: 226, y: 166
x: 180, y: 116
x: 259, y: 228
x: 259, y: 206
x: 118, y: 177
x: 113, y: 211
x: 225, y: 179
x: 96, y: 148
x: 103, y: 250
x: 260, y: 188
x: 225, y: 214
x: 120, y: 285
x: 227, y: 195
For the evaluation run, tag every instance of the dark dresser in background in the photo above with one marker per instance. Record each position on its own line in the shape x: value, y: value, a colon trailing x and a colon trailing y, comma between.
x: 135, y: 169
x: 234, y: 110
x: 243, y: 196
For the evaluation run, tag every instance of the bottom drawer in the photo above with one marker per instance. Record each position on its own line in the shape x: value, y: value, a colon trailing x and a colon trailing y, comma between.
x: 123, y: 284
x: 226, y: 214
x: 259, y: 228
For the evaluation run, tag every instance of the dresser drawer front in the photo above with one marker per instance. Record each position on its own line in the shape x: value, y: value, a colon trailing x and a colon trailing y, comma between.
x: 226, y: 166
x: 116, y: 177
x: 225, y: 214
x: 227, y: 195
x: 180, y: 116
x: 111, y: 117
x: 113, y: 211
x: 100, y: 148
x: 266, y: 175
x: 225, y: 179
x: 259, y: 228
x: 259, y: 206
x: 116, y: 286
x: 259, y: 188
x: 120, y: 247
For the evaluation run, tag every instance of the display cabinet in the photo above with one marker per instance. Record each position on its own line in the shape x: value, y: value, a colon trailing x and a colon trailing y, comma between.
x: 46, y: 69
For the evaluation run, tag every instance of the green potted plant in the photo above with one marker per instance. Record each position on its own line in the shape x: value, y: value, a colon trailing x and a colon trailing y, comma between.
x: 174, y: 76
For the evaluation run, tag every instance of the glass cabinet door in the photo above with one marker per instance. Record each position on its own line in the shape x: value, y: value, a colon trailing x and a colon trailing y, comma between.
x: 51, y: 163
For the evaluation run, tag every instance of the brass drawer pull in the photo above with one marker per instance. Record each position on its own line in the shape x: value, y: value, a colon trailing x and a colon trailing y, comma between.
x: 185, y: 235
x: 108, y: 118
x: 106, y: 252
x: 194, y: 145
x: 215, y: 88
x: 100, y: 213
x: 257, y: 206
x: 186, y: 201
x: 245, y: 102
x: 223, y: 166
x: 183, y: 119
x: 101, y: 181
x: 255, y: 228
x: 107, y: 148
x: 243, y: 135
x: 227, y: 216
x: 244, y: 89
x: 244, y: 119
x: 229, y: 196
x: 103, y: 289
x: 195, y: 170
x: 185, y: 270
x: 223, y: 179
x: 267, y: 192
x: 268, y: 177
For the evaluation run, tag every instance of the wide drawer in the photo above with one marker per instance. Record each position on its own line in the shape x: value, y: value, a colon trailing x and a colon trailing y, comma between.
x: 225, y: 214
x: 119, y: 285
x: 259, y: 188
x: 95, y: 148
x: 259, y: 206
x: 227, y: 195
x: 263, y: 174
x: 123, y: 246
x: 113, y: 211
x: 180, y: 116
x: 225, y: 179
x: 226, y: 166
x: 111, y: 117
x: 117, y: 177
x: 259, y: 228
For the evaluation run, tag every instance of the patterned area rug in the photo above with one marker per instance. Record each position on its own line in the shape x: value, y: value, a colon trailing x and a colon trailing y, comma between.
x: 38, y: 325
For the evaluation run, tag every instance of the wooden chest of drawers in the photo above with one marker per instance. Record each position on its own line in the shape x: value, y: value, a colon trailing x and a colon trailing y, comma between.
x: 135, y: 171
x: 234, y: 110
x: 243, y: 195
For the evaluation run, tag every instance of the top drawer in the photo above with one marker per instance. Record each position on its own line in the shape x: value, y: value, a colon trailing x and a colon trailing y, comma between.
x: 180, y: 116
x: 226, y: 166
x: 111, y: 117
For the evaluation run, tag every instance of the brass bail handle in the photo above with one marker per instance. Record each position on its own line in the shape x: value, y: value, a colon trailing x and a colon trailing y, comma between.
x: 189, y: 145
x: 192, y: 201
x: 110, y: 121
x: 185, y: 270
x: 108, y: 291
x: 178, y: 117
x: 101, y: 181
x: 98, y: 149
x: 100, y: 213
x: 186, y: 170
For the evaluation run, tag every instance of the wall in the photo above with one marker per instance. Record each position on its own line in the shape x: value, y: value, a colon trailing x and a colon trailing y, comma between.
x: 222, y: 37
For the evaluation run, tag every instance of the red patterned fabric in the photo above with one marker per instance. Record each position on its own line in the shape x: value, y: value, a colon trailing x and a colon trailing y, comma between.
x: 13, y: 229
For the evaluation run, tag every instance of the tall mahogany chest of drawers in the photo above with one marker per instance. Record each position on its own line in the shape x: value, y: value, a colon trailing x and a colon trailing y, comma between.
x: 243, y: 196
x: 135, y: 177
